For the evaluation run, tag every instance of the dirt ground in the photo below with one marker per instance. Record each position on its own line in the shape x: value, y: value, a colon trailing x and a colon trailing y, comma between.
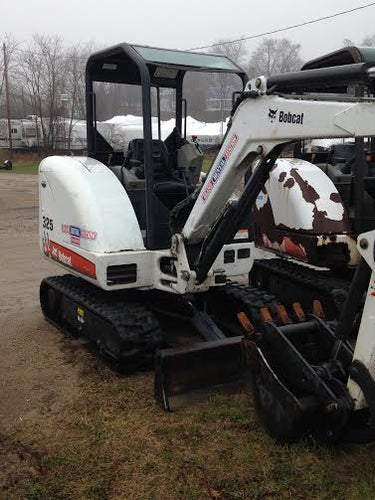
x: 72, y: 429
x: 35, y: 380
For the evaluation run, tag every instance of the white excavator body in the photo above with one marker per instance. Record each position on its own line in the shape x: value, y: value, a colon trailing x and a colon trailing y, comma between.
x: 90, y: 226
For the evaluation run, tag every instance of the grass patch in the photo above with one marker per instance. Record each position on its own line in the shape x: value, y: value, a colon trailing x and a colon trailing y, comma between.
x: 28, y: 164
x: 207, y: 162
x: 114, y: 443
x: 35, y: 492
x: 22, y: 168
x: 23, y: 163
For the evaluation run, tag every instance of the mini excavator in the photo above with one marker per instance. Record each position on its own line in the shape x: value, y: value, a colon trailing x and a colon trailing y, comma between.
x: 153, y: 250
x: 296, y: 217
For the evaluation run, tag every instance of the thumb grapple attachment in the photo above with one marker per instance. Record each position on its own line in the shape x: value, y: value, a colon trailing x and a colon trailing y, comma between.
x: 300, y: 390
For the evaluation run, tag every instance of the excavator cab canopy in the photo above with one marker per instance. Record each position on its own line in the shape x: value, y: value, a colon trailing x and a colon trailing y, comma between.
x: 150, y: 68
x: 360, y: 201
x: 346, y: 55
x: 331, y: 73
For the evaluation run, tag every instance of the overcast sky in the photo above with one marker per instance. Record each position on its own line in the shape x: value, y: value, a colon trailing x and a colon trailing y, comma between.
x: 188, y: 23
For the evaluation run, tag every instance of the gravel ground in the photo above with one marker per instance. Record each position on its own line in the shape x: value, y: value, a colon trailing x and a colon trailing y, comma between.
x: 35, y: 380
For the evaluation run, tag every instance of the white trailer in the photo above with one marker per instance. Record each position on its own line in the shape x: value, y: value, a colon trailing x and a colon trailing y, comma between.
x: 23, y: 132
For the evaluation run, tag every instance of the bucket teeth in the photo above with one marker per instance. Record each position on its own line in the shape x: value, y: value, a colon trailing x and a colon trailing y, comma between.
x: 318, y: 309
x: 283, y: 315
x: 298, y: 311
x: 246, y: 324
x: 266, y: 315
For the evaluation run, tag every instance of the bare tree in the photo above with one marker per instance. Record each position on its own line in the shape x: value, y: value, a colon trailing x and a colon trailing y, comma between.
x: 367, y: 41
x: 223, y: 84
x: 236, y: 51
x: 11, y: 47
x: 41, y: 67
x: 47, y: 81
x: 196, y: 88
x: 347, y: 42
x: 274, y: 56
x: 74, y: 87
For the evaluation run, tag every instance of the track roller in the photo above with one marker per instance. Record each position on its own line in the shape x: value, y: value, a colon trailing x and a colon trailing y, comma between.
x: 124, y: 331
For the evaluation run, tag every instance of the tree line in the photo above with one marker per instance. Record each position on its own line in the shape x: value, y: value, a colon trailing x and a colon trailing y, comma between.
x: 47, y: 81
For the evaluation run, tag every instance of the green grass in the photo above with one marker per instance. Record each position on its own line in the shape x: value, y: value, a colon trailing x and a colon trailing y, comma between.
x: 26, y: 168
x: 22, y: 168
x: 207, y: 162
x: 114, y: 443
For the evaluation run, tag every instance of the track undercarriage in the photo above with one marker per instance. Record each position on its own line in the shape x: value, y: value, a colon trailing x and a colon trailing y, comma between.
x: 297, y: 282
x: 230, y: 335
x: 121, y: 329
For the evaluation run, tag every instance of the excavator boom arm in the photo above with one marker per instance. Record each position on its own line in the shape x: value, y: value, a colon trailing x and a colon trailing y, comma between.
x: 260, y: 123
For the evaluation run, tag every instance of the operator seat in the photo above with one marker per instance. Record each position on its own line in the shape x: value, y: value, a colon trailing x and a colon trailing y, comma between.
x: 169, y: 189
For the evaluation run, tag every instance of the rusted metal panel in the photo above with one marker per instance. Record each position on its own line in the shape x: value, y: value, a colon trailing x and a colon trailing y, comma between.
x: 300, y: 214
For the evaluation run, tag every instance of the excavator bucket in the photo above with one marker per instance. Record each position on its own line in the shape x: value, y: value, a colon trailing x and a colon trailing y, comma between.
x: 188, y: 374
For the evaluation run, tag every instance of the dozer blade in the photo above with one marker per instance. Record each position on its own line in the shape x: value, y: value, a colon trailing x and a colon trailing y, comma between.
x: 183, y: 375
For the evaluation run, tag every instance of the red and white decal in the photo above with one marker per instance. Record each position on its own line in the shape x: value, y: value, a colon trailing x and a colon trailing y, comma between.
x: 88, y: 235
x: 69, y: 259
x: 220, y: 166
x: 75, y: 240
x: 84, y: 233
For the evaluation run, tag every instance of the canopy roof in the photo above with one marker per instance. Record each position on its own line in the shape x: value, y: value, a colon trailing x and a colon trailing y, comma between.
x: 197, y: 60
x: 125, y: 63
x: 346, y: 55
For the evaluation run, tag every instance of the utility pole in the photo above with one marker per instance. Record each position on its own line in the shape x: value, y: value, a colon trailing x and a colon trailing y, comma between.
x: 23, y: 104
x: 7, y: 99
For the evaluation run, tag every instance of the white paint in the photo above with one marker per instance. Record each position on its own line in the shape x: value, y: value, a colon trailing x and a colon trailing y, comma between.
x: 288, y: 204
x: 262, y: 198
x: 84, y: 193
x: 254, y: 128
x: 365, y: 344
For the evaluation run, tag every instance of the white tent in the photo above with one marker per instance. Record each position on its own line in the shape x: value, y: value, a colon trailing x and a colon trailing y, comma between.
x: 119, y: 130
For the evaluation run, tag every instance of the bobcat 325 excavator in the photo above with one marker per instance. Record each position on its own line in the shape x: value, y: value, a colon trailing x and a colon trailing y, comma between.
x: 145, y: 242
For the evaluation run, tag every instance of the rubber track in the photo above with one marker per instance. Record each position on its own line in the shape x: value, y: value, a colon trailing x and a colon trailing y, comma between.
x: 323, y: 282
x: 138, y: 331
x: 235, y: 297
